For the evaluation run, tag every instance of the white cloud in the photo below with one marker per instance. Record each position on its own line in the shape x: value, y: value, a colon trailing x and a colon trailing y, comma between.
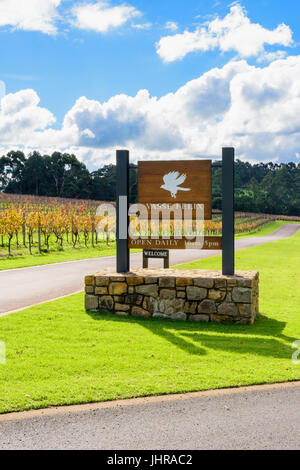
x: 171, y: 25
x: 271, y: 56
x: 2, y: 89
x: 30, y: 15
x: 234, y: 32
x: 254, y: 109
x: 142, y: 26
x: 101, y: 17
x: 21, y: 118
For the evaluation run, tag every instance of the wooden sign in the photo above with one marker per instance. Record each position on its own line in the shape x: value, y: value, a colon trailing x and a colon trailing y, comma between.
x: 175, y: 182
x: 210, y: 243
x: 164, y: 254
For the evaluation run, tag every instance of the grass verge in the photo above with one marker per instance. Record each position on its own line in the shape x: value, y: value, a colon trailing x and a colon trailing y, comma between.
x: 59, y: 354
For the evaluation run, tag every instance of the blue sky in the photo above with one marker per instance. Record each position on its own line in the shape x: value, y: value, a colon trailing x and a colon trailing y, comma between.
x: 209, y: 69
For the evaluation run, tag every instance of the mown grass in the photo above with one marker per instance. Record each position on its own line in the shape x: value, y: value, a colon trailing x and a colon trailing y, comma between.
x: 57, y: 353
x: 21, y: 258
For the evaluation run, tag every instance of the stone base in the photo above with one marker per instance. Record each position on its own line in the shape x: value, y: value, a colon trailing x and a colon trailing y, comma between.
x: 194, y: 295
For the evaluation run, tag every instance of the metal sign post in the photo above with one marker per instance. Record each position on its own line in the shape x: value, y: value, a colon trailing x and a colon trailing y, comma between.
x: 122, y: 197
x: 228, y: 211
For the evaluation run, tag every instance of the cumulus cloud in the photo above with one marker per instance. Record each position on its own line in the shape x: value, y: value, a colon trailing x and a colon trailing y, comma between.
x: 234, y: 32
x: 254, y: 109
x: 30, y: 15
x: 101, y: 17
x: 21, y: 117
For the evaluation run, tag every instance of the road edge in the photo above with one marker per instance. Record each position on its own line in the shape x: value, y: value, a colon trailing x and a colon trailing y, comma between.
x: 73, y: 409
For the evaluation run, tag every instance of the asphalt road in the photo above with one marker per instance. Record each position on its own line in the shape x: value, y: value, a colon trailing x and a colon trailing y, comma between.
x: 256, y: 418
x: 21, y: 288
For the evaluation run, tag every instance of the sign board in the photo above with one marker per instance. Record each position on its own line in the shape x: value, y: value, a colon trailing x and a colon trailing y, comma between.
x: 172, y: 182
x: 181, y: 182
x: 171, y: 243
x: 156, y: 253
x: 164, y: 254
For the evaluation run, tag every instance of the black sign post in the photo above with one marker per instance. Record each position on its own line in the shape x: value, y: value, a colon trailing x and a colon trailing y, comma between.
x: 122, y: 197
x: 228, y: 211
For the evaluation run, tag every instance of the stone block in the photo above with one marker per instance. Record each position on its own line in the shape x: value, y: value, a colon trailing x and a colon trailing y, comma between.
x: 133, y: 299
x: 101, y: 290
x: 89, y: 280
x: 246, y: 310
x: 245, y: 283
x: 167, y: 294
x: 150, y: 304
x: 202, y: 282
x: 101, y: 281
x: 241, y: 294
x: 151, y: 280
x: 91, y: 302
x: 151, y: 290
x: 117, y: 288
x: 220, y: 283
x: 106, y: 302
x: 166, y: 282
x: 228, y: 309
x: 178, y: 304
x: 122, y: 307
x: 190, y: 307
x: 183, y: 282
x: 196, y: 293
x: 217, y: 295
x: 135, y: 281
x: 181, y: 294
x: 140, y: 312
x: 207, y: 306
x: 89, y: 289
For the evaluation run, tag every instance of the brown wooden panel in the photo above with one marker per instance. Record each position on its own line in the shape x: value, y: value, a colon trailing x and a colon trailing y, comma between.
x: 210, y: 243
x: 182, y: 181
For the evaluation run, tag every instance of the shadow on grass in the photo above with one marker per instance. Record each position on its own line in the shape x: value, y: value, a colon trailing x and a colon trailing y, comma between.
x: 265, y: 338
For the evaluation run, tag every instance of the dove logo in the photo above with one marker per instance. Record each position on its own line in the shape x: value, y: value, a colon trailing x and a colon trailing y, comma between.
x: 172, y: 181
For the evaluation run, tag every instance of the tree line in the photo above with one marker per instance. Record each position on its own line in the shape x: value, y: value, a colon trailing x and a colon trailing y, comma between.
x: 272, y: 188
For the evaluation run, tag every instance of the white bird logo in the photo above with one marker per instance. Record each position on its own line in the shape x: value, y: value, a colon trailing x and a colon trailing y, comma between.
x: 172, y: 182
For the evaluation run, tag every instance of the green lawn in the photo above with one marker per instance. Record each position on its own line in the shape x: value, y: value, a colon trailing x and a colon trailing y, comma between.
x: 59, y: 354
x: 22, y: 259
